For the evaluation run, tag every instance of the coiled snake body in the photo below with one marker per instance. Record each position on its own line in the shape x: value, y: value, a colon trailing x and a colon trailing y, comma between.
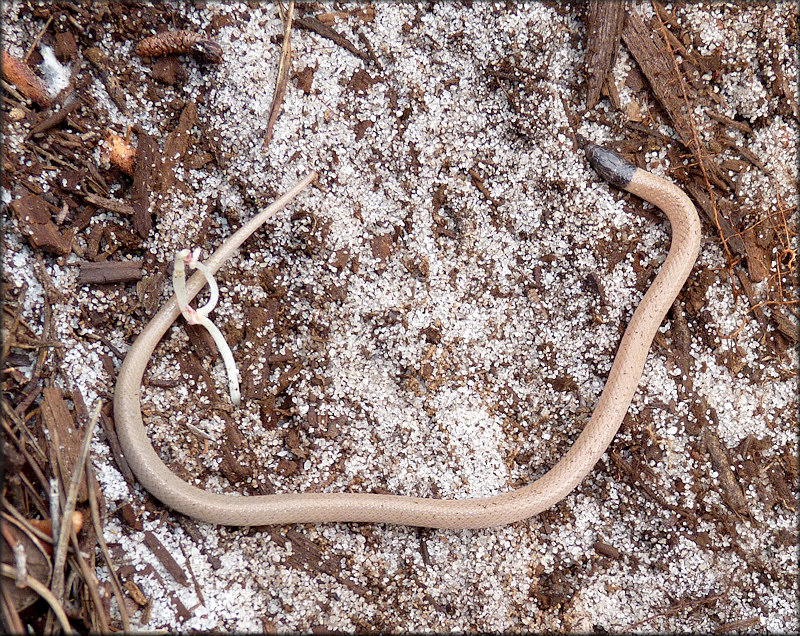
x: 512, y: 506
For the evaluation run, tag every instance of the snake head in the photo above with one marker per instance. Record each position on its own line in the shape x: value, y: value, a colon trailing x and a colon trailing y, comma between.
x: 609, y: 164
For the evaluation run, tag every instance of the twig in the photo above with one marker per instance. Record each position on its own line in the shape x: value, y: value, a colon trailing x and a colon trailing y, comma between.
x: 10, y: 414
x: 677, y: 607
x: 98, y: 528
x: 17, y: 516
x: 46, y: 594
x: 311, y: 23
x: 284, y: 66
x: 55, y: 517
x: 120, y: 207
x: 13, y: 622
x: 89, y: 578
x: 37, y: 39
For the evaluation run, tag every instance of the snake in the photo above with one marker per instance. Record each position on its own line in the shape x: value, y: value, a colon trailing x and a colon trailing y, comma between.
x: 233, y: 509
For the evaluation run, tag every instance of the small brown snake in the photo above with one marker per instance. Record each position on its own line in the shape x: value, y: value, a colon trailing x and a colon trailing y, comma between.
x: 524, y: 502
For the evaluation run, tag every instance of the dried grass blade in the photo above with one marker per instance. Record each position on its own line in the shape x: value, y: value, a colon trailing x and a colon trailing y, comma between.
x: 284, y: 66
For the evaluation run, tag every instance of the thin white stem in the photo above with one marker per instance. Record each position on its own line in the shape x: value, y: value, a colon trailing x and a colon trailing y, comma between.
x: 179, y: 280
x: 212, y: 288
x: 200, y: 316
x: 227, y: 358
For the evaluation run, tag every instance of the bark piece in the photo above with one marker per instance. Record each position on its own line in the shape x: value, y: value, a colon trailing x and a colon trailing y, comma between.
x: 176, y: 145
x: 729, y: 234
x: 758, y: 259
x: 654, y: 58
x: 604, y: 21
x: 105, y: 272
x: 66, y: 48
x: 163, y: 555
x: 30, y: 86
x: 305, y: 79
x: 168, y: 70
x: 786, y: 322
x: 35, y: 219
x: 145, y: 175
x: 59, y: 422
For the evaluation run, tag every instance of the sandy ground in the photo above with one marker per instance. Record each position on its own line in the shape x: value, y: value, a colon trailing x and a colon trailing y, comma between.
x: 441, y: 342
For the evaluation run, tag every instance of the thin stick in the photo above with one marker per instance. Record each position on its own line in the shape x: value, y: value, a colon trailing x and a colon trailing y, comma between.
x: 98, y: 527
x: 16, y: 515
x: 37, y: 39
x: 90, y: 579
x: 42, y: 591
x: 55, y: 500
x: 10, y: 614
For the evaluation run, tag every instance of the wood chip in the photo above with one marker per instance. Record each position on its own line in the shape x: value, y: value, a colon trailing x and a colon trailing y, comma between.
x: 163, y: 555
x: 114, y: 205
x: 34, y: 214
x: 135, y: 592
x: 607, y: 550
x: 604, y: 21
x: 71, y: 104
x: 106, y: 272
x: 381, y: 246
x: 307, y: 556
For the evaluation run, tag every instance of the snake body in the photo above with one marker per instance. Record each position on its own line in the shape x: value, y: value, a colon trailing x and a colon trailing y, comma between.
x: 524, y: 502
